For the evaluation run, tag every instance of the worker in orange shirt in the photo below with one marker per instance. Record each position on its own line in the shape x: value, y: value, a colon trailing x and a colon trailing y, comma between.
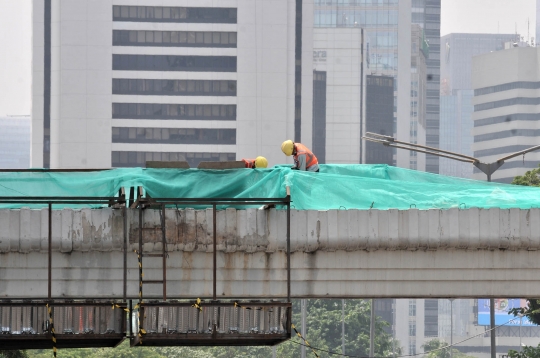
x: 259, y: 162
x: 304, y: 159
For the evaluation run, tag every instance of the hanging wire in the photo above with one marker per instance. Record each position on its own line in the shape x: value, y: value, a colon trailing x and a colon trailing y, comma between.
x: 450, y: 346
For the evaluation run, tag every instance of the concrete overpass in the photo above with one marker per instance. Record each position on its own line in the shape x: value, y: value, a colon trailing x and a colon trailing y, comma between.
x: 335, y: 253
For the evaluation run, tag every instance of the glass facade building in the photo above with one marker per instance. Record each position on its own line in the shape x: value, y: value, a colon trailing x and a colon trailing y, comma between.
x: 380, y: 20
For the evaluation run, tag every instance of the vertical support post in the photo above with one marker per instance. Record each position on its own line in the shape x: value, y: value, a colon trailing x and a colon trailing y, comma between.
x: 303, y: 304
x: 164, y: 252
x: 49, y: 283
x: 343, y: 326
x: 288, y: 199
x: 140, y: 254
x: 130, y: 318
x: 214, y: 233
x: 372, y: 330
x: 124, y: 212
x: 214, y: 296
x: 451, y: 327
x: 492, y: 326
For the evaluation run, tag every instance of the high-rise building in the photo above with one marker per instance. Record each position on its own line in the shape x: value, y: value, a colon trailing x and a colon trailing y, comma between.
x: 419, y: 56
x: 338, y: 81
x: 427, y: 14
x: 387, y: 26
x: 117, y: 83
x: 15, y: 142
x: 506, y: 117
x: 456, y: 110
x: 537, y: 39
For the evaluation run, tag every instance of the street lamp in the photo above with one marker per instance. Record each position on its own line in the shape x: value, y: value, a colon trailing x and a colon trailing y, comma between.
x: 486, y: 168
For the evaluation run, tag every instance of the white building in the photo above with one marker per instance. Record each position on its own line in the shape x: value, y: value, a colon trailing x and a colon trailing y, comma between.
x: 119, y: 82
x: 506, y: 109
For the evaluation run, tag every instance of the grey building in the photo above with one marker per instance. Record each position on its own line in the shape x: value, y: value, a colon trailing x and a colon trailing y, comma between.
x: 427, y: 14
x: 15, y: 142
x: 387, y: 24
x: 506, y: 115
x: 456, y: 108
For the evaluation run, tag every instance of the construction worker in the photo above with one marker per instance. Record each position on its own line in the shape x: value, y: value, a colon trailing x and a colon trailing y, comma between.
x: 304, y: 159
x: 259, y: 162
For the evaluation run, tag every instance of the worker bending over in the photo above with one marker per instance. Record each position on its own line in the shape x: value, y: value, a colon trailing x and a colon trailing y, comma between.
x: 304, y: 159
x: 259, y: 162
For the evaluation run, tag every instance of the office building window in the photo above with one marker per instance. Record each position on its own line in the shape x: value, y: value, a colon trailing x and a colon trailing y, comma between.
x: 412, y: 328
x: 174, y: 38
x: 412, y: 308
x: 215, y: 112
x: 214, y: 15
x: 174, y: 87
x: 139, y: 159
x: 174, y: 63
x: 412, y: 347
x: 507, y: 134
x: 173, y: 135
x: 507, y: 102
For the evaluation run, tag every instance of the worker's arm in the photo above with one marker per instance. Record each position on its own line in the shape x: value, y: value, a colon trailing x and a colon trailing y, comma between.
x: 301, y: 165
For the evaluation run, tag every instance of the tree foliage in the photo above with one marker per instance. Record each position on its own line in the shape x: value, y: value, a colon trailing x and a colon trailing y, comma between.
x: 435, y: 349
x: 531, y: 178
x: 526, y: 352
x: 13, y: 354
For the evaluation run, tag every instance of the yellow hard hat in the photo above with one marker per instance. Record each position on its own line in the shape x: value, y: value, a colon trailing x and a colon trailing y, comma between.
x: 287, y: 147
x: 261, y: 162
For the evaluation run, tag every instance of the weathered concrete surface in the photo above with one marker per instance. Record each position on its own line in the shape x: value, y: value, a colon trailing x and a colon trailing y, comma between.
x: 433, y: 253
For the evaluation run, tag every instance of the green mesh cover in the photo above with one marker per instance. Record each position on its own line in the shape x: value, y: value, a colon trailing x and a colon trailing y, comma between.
x: 335, y: 187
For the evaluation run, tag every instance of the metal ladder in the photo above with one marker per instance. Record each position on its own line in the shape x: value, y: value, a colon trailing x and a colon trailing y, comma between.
x: 141, y: 204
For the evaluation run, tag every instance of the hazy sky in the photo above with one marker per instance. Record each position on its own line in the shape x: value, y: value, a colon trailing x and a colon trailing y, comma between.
x: 485, y: 16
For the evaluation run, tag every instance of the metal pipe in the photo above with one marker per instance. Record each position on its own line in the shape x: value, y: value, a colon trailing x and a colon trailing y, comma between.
x: 214, y: 297
x: 343, y: 326
x: 140, y: 254
x: 303, y: 330
x: 524, y: 151
x: 49, y: 283
x: 389, y: 140
x: 422, y: 151
x: 492, y: 326
x: 288, y: 198
x: 164, y: 252
x: 451, y: 327
x: 124, y: 212
x: 372, y: 330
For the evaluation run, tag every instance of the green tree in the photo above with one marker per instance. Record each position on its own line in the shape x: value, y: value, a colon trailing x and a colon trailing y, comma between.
x: 526, y: 352
x: 435, y: 349
x: 531, y: 178
x: 13, y: 354
x: 324, y: 329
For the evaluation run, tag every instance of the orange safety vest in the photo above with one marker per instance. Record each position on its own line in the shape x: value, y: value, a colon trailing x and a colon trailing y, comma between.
x: 311, y: 159
x: 250, y: 163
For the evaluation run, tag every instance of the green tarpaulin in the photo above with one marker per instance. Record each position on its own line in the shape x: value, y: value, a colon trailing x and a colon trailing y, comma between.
x: 335, y: 187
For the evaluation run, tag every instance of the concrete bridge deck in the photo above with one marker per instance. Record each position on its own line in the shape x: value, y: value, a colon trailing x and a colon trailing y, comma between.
x: 335, y: 253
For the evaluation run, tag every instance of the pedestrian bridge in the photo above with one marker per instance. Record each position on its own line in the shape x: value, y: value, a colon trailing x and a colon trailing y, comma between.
x: 334, y: 253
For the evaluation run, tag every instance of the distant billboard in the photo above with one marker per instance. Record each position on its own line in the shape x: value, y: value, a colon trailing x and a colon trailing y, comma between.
x: 502, y: 306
